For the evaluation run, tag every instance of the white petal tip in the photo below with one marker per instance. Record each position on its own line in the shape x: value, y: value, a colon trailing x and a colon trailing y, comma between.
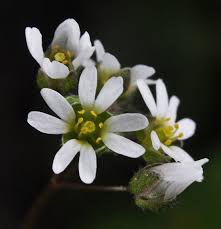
x: 57, y: 169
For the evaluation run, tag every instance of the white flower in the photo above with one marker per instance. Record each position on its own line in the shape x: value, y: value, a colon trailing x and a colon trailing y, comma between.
x: 88, y: 127
x: 164, y: 112
x: 175, y: 177
x: 109, y: 63
x: 66, y: 48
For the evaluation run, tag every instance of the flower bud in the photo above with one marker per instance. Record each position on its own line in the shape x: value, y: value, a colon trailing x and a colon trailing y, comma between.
x: 144, y: 185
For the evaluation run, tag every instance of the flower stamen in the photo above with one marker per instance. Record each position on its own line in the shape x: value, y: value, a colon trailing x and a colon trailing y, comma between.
x: 98, y: 140
x: 81, y: 112
x: 93, y: 113
x: 101, y: 125
x: 60, y: 56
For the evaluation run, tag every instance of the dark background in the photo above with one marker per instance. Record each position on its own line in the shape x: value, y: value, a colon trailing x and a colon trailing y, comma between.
x: 181, y: 39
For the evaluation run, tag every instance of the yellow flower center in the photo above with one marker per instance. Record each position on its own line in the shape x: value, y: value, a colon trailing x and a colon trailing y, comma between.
x: 88, y: 126
x: 61, y: 55
x: 167, y: 133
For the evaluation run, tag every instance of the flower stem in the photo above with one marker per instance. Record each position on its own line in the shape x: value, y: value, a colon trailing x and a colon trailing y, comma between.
x: 55, y: 185
x: 81, y: 187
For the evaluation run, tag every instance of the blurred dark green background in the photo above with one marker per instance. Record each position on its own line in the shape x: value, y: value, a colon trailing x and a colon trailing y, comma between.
x: 181, y: 39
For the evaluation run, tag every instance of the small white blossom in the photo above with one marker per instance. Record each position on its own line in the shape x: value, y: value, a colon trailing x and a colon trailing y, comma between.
x: 164, y: 111
x: 175, y: 177
x: 67, y: 48
x: 109, y: 63
x: 89, y: 128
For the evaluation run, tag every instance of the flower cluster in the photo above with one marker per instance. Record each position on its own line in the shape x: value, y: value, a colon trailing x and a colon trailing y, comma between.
x: 87, y: 88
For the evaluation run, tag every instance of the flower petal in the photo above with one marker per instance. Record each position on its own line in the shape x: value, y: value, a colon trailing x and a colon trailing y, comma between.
x: 65, y: 155
x: 83, y: 58
x: 55, y: 69
x: 99, y: 49
x: 162, y: 98
x: 122, y: 145
x: 46, y: 123
x: 140, y: 72
x: 172, y: 108
x: 87, y: 87
x: 85, y: 51
x: 177, y: 153
x: 109, y: 63
x: 85, y: 41
x: 203, y: 161
x: 147, y: 97
x: 87, y: 163
x: 110, y: 92
x: 34, y: 43
x: 126, y: 122
x: 67, y: 35
x: 58, y: 104
x: 187, y: 127
x: 155, y: 140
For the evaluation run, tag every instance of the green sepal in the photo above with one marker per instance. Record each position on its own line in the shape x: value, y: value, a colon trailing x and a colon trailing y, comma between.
x: 142, y: 186
x: 64, y: 86
x: 73, y: 100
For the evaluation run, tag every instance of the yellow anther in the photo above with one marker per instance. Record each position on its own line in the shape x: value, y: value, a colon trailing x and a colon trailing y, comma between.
x: 180, y: 135
x: 80, y: 120
x: 59, y: 56
x: 177, y: 126
x: 81, y: 112
x: 167, y: 119
x: 93, y: 113
x: 98, y: 140
x: 168, y: 142
x: 65, y: 62
x: 101, y: 124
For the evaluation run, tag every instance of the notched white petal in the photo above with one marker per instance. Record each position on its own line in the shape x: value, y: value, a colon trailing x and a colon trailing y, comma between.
x: 83, y: 58
x: 187, y: 127
x: 161, y: 98
x: 147, y: 97
x: 110, y: 92
x: 87, y: 163
x: 65, y: 155
x: 55, y: 69
x: 46, y: 123
x: 67, y: 35
x: 87, y: 87
x: 99, y: 49
x: 110, y: 63
x: 122, y: 145
x: 126, y: 122
x: 172, y: 108
x: 58, y: 104
x: 34, y: 43
x: 140, y: 72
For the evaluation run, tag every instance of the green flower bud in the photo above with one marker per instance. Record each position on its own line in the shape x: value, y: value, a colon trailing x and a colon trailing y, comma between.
x: 143, y: 185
